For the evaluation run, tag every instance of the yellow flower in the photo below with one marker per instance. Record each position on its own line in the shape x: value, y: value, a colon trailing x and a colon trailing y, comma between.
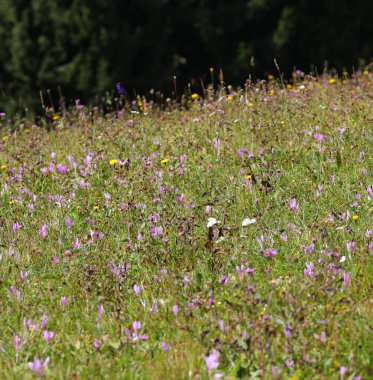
x: 365, y: 72
x: 211, y: 69
x: 345, y: 73
x: 11, y: 202
x: 355, y: 217
x: 164, y: 161
x: 113, y: 162
x: 95, y: 208
x: 56, y: 118
x: 195, y: 96
x: 229, y: 97
x: 271, y: 93
x: 248, y: 176
x: 250, y: 104
x: 293, y: 378
x: 332, y: 80
x: 5, y: 138
x: 3, y: 167
x: 289, y: 86
x: 270, y: 77
x: 27, y: 131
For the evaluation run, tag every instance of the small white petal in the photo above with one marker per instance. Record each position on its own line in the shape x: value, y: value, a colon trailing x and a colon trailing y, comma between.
x: 343, y: 259
x: 248, y: 221
x: 211, y: 222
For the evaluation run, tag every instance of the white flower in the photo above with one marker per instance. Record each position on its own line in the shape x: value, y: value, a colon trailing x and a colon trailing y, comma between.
x: 248, y: 221
x: 343, y: 259
x: 211, y: 222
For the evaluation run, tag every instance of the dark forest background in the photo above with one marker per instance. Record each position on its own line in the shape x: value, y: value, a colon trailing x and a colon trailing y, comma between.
x: 86, y: 46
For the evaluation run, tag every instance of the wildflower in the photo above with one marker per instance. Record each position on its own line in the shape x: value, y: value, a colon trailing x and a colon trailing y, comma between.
x: 211, y: 222
x: 43, y: 231
x: 229, y: 98
x: 269, y: 252
x: 96, y: 344
x: 365, y: 72
x: 37, y: 365
x: 3, y: 167
x: 350, y: 245
x: 319, y: 137
x: 309, y: 269
x: 63, y: 301
x: 250, y: 104
x: 195, y: 96
x: 17, y: 342
x: 137, y: 289
x: 48, y: 335
x: 164, y: 161
x: 11, y: 202
x: 270, y: 77
x: 211, y: 69
x: 355, y: 217
x: 175, y: 309
x: 293, y: 205
x: 332, y: 80
x: 95, y: 208
x: 68, y: 222
x: 5, y: 138
x: 113, y: 162
x: 343, y: 371
x: 165, y: 346
x: 62, y: 169
x: 248, y: 221
x: 56, y: 118
x: 16, y: 226
x: 289, y: 86
x: 212, y: 360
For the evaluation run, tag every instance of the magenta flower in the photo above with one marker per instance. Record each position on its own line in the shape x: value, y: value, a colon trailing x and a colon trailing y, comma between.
x: 43, y: 230
x: 63, y: 301
x: 343, y: 370
x: 37, y: 365
x: 155, y: 231
x: 16, y: 226
x: 136, y: 326
x: 175, y: 309
x: 68, y: 222
x: 62, y: 169
x: 76, y: 244
x: 165, y: 346
x: 269, y: 252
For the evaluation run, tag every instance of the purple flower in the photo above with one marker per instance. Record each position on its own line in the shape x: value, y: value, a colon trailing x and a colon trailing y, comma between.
x: 165, y: 346
x: 136, y: 326
x: 293, y: 205
x: 120, y: 89
x: 350, y: 245
x: 68, y: 222
x: 212, y: 360
x: 16, y: 226
x: 100, y: 310
x: 319, y: 137
x: 63, y: 301
x: 37, y: 365
x: 17, y: 342
x: 62, y: 169
x: 269, y: 252
x: 48, y: 335
x: 175, y: 309
x: 343, y: 371
x: 43, y: 230
x: 137, y: 289
x: 309, y: 269
x: 155, y: 231
x: 44, y: 321
x: 96, y: 344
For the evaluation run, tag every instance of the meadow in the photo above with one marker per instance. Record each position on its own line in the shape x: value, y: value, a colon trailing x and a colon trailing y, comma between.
x: 230, y: 237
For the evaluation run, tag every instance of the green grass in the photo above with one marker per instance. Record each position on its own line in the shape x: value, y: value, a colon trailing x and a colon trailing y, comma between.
x: 271, y: 322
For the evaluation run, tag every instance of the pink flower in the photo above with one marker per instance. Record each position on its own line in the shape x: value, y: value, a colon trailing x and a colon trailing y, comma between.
x: 62, y: 169
x: 76, y: 244
x: 37, y: 365
x: 293, y: 205
x: 309, y: 269
x: 43, y: 230
x: 68, y: 222
x: 175, y: 309
x: 343, y: 371
x: 136, y: 326
x: 269, y: 252
x: 63, y: 301
x: 165, y: 346
x: 212, y: 360
x: 319, y: 137
x: 48, y: 335
x: 17, y: 342
x: 16, y: 226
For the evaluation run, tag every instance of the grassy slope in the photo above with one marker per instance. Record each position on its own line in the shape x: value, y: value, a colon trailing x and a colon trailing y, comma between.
x: 270, y: 316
